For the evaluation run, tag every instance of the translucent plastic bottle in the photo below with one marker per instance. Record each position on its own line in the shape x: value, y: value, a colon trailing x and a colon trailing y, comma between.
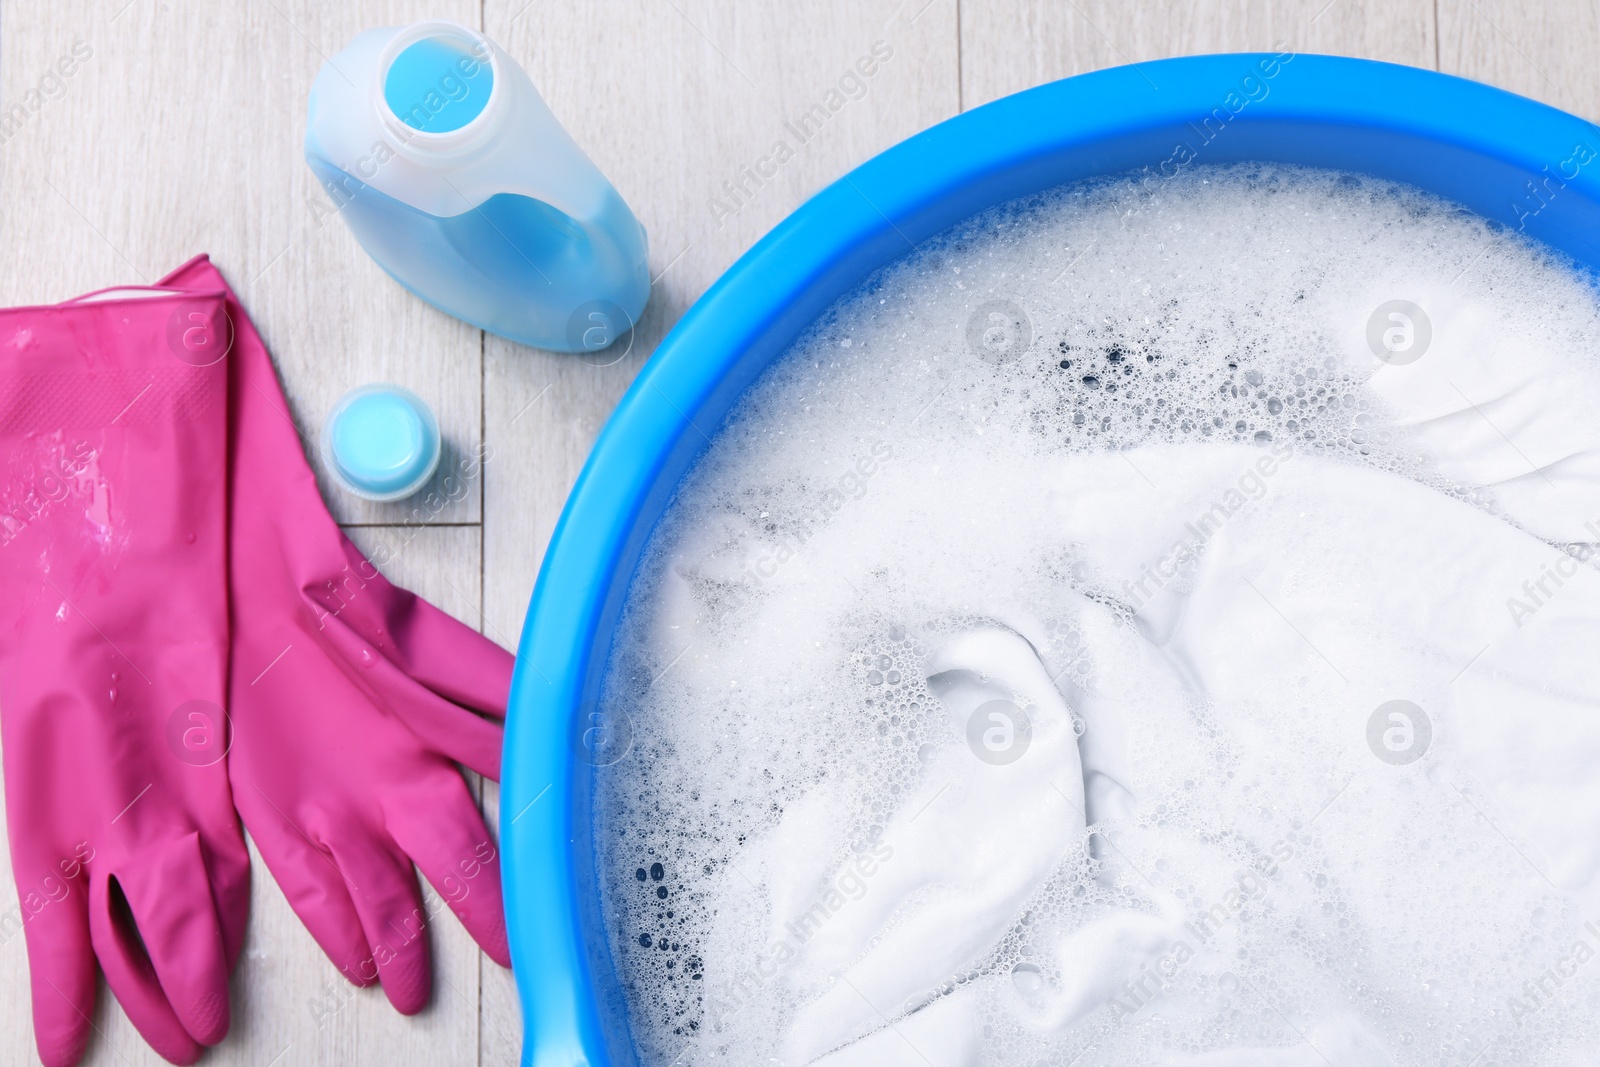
x: 453, y: 174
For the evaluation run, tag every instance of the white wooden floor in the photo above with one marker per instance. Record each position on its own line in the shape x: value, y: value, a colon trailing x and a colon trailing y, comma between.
x: 182, y: 134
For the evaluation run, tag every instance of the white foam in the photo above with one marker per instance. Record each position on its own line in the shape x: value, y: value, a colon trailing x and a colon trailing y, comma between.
x: 1196, y: 534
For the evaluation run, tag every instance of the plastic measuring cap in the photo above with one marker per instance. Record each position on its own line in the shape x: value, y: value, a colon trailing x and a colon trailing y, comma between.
x: 381, y: 442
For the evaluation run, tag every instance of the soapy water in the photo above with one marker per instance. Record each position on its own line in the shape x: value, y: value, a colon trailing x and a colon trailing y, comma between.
x: 1152, y: 623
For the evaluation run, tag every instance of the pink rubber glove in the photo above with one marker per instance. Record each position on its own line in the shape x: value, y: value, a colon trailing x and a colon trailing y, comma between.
x: 350, y: 703
x: 113, y: 654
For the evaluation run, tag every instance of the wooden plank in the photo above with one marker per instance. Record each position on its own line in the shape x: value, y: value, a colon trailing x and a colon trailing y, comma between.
x: 1010, y: 45
x: 671, y: 100
x: 180, y: 132
x: 1542, y: 51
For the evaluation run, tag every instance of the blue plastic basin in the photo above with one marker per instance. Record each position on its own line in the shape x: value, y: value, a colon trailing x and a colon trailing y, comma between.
x: 1521, y: 163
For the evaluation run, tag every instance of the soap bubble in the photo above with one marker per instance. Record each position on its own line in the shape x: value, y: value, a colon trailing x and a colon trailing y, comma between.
x: 1027, y: 978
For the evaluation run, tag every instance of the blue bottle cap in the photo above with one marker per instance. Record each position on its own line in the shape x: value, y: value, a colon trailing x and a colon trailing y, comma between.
x: 381, y: 442
x: 439, y: 83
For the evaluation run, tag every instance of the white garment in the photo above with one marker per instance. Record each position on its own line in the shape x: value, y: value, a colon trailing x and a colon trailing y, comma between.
x: 1368, y: 584
x: 968, y: 850
x: 1496, y: 409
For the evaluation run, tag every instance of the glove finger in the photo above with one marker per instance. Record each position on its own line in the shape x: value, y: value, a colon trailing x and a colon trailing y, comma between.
x: 442, y: 830
x: 435, y: 649
x: 383, y: 888
x: 313, y: 884
x: 449, y: 657
x: 446, y: 727
x: 131, y: 976
x: 60, y: 970
x: 454, y: 660
x: 173, y: 910
x: 449, y: 729
x: 229, y: 870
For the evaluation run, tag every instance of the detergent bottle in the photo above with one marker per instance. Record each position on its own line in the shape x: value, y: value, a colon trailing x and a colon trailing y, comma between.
x: 452, y: 172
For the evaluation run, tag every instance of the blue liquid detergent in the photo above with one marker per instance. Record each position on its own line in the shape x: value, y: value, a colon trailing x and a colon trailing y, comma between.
x: 437, y: 86
x: 495, y: 216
